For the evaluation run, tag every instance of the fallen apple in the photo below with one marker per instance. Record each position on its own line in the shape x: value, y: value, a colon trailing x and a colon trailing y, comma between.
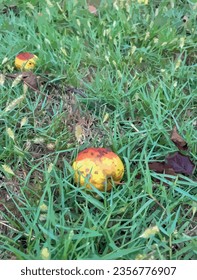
x: 98, y: 167
x: 25, y: 61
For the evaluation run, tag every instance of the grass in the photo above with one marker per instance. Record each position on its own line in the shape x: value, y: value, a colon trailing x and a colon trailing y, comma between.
x: 136, y: 65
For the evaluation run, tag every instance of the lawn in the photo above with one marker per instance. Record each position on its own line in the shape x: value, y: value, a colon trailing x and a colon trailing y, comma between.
x: 123, y: 77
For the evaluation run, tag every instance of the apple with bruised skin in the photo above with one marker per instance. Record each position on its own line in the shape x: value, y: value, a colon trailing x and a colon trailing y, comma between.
x: 98, y: 167
x: 25, y: 61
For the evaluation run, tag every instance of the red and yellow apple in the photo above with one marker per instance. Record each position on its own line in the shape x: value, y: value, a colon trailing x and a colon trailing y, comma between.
x: 98, y: 167
x: 25, y: 61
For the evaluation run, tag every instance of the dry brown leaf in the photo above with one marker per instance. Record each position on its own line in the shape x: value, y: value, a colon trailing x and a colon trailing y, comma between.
x: 161, y: 167
x: 178, y: 140
x: 30, y: 80
x: 174, y: 164
x: 180, y: 163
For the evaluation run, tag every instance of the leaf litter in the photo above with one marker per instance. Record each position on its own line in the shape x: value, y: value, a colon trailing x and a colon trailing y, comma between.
x: 180, y: 163
x: 28, y: 78
x: 178, y: 140
x: 175, y: 163
x: 81, y: 124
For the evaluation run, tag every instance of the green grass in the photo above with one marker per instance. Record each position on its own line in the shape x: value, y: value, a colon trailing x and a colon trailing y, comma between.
x: 136, y: 63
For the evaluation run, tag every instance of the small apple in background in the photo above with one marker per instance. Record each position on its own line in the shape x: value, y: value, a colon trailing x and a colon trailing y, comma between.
x: 25, y: 61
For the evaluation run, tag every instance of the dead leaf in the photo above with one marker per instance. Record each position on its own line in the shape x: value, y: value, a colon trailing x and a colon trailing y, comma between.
x: 161, y: 167
x: 92, y: 9
x: 173, y: 165
x: 30, y: 80
x: 178, y: 140
x: 180, y: 163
